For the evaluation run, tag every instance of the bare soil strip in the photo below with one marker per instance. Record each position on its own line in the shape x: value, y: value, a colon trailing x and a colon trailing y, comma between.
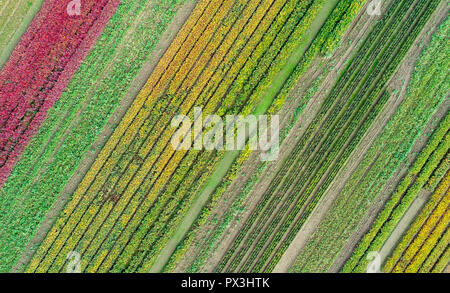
x: 359, y: 28
x: 136, y: 85
x: 309, y: 36
x: 15, y: 38
x: 365, y: 224
x: 404, y: 224
x: 318, y: 68
x: 399, y: 82
x: 401, y: 79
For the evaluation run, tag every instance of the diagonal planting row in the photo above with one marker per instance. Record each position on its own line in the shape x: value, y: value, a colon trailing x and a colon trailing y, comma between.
x: 439, y: 259
x: 302, y: 24
x: 342, y: 121
x: 158, y: 242
x: 253, y: 216
x: 14, y: 17
x: 438, y: 174
x: 141, y: 98
x: 427, y: 238
x: 340, y: 16
x: 125, y: 202
x: 136, y: 202
x: 407, y: 190
x: 205, y: 79
x: 77, y: 118
x: 371, y: 116
x: 40, y: 68
x: 426, y: 93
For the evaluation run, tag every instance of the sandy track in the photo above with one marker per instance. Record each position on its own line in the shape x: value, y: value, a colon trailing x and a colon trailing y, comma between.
x: 404, y: 224
x: 337, y: 62
x: 6, y: 50
x: 136, y: 85
x: 400, y: 82
x: 357, y: 31
x: 245, y: 172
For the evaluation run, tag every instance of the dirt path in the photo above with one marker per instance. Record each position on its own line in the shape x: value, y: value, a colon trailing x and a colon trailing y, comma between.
x: 403, y: 225
x: 15, y: 38
x: 401, y: 79
x: 365, y: 224
x: 237, y: 186
x: 303, y: 121
x: 136, y: 85
x: 227, y: 161
x: 357, y: 31
x: 400, y: 82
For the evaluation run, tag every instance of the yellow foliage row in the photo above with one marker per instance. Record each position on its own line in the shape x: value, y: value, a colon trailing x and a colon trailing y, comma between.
x: 176, y: 177
x: 443, y: 262
x: 91, y: 217
x: 196, y: 19
x: 183, y: 165
x: 437, y: 255
x: 167, y: 202
x: 443, y: 167
x: 155, y: 218
x: 161, y: 170
x: 150, y: 257
x: 122, y: 144
x: 430, y: 217
x: 111, y: 174
x: 429, y: 242
x: 231, y: 96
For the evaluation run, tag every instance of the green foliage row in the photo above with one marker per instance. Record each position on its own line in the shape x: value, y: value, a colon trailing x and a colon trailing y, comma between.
x: 406, y: 192
x: 422, y: 235
x: 237, y: 204
x: 155, y: 222
x: 323, y: 168
x: 75, y: 121
x: 380, y: 64
x: 426, y: 93
x: 264, y: 58
x: 244, y: 95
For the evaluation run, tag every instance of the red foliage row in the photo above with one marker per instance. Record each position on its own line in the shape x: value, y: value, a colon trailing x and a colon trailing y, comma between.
x: 40, y: 68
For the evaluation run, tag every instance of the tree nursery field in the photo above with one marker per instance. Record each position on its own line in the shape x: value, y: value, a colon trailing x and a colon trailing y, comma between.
x: 224, y: 136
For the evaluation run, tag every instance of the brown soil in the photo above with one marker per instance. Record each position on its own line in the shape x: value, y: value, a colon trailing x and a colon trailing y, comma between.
x: 337, y: 62
x: 400, y: 82
x: 404, y: 224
